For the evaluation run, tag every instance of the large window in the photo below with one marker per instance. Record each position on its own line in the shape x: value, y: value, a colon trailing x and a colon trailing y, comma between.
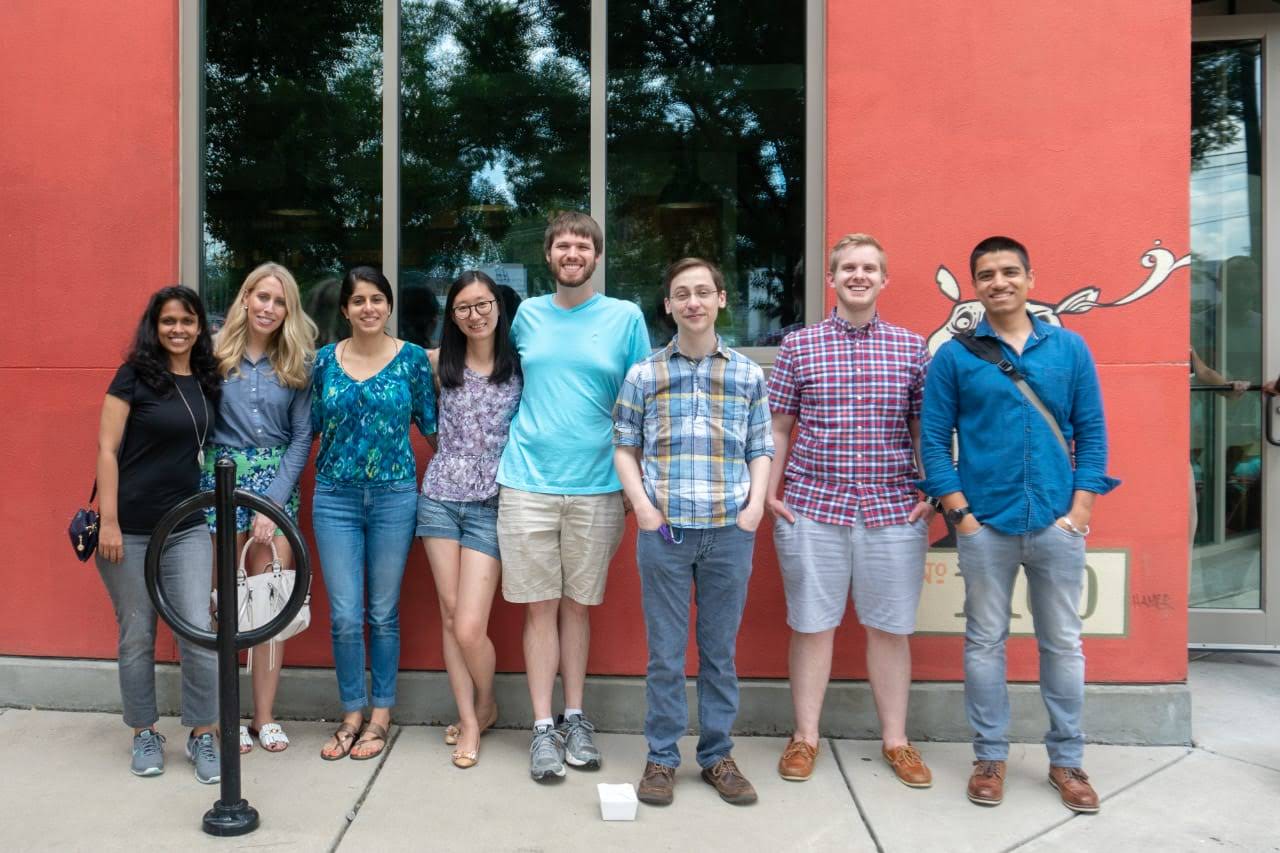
x: 431, y: 136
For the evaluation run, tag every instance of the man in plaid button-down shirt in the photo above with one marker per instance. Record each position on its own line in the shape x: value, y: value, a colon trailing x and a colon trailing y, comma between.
x: 849, y: 515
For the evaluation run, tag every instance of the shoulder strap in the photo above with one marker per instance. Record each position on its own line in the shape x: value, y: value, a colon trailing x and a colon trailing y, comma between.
x: 988, y: 349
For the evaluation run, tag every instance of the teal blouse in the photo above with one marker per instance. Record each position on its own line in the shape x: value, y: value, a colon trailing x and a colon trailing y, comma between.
x: 364, y: 426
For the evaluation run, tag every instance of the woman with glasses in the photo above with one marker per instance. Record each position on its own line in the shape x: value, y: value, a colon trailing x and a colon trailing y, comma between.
x: 479, y: 376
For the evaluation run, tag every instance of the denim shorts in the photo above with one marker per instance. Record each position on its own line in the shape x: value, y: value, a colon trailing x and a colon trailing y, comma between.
x: 472, y: 524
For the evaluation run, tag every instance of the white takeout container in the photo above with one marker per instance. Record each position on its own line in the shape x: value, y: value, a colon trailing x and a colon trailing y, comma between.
x: 617, y: 802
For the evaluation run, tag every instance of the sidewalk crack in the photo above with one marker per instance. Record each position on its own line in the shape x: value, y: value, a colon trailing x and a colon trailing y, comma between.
x: 364, y: 795
x: 1072, y: 816
x: 1217, y: 754
x: 848, y: 783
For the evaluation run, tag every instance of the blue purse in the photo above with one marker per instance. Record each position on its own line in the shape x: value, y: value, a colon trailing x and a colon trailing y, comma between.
x: 83, y: 528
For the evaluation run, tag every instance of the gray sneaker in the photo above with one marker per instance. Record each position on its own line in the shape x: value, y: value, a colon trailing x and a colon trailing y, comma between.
x: 203, y: 752
x: 546, y: 754
x: 148, y: 753
x: 579, y: 746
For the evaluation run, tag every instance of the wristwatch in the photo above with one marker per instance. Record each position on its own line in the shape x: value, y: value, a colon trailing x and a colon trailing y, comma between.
x: 955, y: 516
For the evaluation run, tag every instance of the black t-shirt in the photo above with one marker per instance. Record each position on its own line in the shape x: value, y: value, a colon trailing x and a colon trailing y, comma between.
x: 158, y: 467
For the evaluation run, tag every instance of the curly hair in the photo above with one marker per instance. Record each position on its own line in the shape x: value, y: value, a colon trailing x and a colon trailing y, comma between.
x: 150, y: 360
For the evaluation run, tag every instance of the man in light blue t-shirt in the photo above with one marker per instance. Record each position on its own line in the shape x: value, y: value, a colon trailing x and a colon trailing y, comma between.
x: 560, y: 513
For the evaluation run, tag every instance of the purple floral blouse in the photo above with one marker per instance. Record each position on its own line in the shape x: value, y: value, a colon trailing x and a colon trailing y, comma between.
x: 472, y: 430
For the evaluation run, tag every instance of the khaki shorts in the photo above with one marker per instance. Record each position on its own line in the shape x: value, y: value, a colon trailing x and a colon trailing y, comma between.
x: 557, y: 546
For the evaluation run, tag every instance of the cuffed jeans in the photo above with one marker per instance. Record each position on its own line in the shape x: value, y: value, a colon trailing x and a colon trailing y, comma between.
x: 1054, y: 560
x: 716, y: 563
x: 363, y: 533
x: 186, y: 576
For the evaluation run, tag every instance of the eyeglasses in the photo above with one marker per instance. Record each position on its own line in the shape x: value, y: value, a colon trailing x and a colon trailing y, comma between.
x: 483, y: 309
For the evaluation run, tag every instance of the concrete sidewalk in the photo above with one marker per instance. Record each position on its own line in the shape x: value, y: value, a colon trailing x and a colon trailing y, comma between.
x: 66, y: 787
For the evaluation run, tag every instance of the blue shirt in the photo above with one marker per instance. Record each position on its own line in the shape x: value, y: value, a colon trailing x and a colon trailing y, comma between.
x: 364, y: 426
x: 257, y: 410
x: 574, y: 361
x: 698, y: 423
x: 1012, y: 470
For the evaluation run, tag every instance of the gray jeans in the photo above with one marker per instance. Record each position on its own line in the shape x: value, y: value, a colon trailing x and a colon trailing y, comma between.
x: 186, y: 576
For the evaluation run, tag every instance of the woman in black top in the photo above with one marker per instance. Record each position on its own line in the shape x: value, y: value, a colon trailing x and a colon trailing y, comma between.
x: 158, y: 413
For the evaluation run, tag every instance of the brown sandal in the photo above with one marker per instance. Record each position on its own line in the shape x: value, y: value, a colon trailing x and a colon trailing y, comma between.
x: 377, y: 734
x: 345, y: 738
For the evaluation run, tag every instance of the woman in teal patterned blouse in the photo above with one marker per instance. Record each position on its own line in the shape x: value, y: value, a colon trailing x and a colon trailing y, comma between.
x: 366, y: 390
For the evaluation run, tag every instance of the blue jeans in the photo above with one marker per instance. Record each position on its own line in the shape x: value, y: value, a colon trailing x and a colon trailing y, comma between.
x: 717, y: 564
x: 1054, y: 560
x: 363, y: 533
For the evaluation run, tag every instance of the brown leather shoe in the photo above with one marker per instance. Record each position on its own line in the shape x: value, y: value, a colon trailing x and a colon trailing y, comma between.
x: 729, y: 782
x: 657, y: 784
x: 796, y: 763
x: 908, y: 766
x: 1073, y: 784
x: 986, y: 783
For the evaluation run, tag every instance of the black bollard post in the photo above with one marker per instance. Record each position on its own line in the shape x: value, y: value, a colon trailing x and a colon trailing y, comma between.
x: 232, y: 814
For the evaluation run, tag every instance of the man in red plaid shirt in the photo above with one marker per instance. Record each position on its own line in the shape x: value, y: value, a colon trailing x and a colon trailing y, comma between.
x: 849, y: 516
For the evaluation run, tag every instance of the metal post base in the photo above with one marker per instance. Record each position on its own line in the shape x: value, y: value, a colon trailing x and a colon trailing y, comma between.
x: 236, y: 819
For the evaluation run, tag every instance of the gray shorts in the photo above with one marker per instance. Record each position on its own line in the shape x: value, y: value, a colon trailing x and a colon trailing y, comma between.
x: 821, y: 562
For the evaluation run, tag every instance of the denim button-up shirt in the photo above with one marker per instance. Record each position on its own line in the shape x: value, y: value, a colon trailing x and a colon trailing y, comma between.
x: 258, y: 411
x: 1011, y: 468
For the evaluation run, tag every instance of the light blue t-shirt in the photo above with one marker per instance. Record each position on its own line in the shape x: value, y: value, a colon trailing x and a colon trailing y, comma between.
x: 574, y: 361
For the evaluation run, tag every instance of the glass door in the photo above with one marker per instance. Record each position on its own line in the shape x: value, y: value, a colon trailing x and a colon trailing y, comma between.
x: 1233, y: 576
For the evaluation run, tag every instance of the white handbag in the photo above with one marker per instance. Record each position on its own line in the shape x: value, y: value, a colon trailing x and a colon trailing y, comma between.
x: 260, y: 597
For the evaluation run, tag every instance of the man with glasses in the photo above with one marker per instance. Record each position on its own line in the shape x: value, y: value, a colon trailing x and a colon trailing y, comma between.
x: 691, y: 429
x: 560, y: 511
x: 1022, y: 396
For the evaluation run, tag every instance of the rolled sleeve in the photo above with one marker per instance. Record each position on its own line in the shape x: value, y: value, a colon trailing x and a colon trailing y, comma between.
x: 938, y: 415
x: 1089, y: 429
x: 295, y: 458
x: 628, y: 412
x: 760, y: 422
x: 915, y: 395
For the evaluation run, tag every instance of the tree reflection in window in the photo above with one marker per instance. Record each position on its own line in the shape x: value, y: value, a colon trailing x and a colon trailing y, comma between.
x: 495, y: 137
x: 706, y: 106
x: 293, y: 145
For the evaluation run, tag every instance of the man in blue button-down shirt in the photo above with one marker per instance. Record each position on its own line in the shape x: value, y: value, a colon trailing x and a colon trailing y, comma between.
x: 1016, y: 498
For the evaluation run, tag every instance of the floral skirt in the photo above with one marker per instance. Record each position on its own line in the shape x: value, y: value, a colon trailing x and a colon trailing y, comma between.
x: 256, y: 468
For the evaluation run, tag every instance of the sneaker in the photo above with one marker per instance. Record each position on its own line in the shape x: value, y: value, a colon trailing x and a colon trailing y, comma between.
x: 203, y: 753
x: 546, y: 754
x: 579, y: 746
x: 148, y: 753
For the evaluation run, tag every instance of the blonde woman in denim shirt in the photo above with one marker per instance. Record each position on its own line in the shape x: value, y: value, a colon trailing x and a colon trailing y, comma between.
x: 366, y: 392
x: 264, y: 352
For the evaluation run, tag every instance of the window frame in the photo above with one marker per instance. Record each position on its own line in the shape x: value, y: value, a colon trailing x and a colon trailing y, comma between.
x: 191, y: 189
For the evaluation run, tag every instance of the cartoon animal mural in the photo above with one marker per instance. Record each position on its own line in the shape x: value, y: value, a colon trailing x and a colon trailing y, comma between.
x: 966, y: 313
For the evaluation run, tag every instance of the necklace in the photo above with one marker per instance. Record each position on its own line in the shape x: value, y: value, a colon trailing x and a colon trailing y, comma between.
x: 204, y: 405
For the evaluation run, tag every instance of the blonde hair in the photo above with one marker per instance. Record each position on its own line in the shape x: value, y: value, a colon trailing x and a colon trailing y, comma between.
x: 854, y: 241
x: 292, y: 347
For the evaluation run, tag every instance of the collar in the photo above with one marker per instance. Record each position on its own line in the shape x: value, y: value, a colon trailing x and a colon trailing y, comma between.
x: 244, y: 359
x: 673, y: 348
x: 1039, y: 328
x: 848, y: 328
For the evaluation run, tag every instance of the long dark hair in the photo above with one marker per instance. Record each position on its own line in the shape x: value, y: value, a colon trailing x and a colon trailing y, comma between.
x: 453, y: 343
x: 151, y: 361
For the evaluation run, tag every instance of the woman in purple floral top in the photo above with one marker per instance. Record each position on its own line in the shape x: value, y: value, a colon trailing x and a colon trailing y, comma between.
x: 479, y: 375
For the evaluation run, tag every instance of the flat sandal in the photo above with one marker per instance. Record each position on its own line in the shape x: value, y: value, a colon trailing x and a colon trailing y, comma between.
x: 379, y: 736
x: 344, y: 743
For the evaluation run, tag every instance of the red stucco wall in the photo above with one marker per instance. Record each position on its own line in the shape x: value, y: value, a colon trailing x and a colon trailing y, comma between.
x: 1062, y: 124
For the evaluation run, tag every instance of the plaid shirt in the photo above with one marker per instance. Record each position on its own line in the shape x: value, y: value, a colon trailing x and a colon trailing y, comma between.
x: 698, y: 424
x: 852, y: 391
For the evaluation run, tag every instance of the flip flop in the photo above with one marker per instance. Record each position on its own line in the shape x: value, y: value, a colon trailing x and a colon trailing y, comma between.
x: 379, y: 735
x: 345, y: 737
x: 246, y: 742
x: 271, y: 736
x: 454, y: 730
